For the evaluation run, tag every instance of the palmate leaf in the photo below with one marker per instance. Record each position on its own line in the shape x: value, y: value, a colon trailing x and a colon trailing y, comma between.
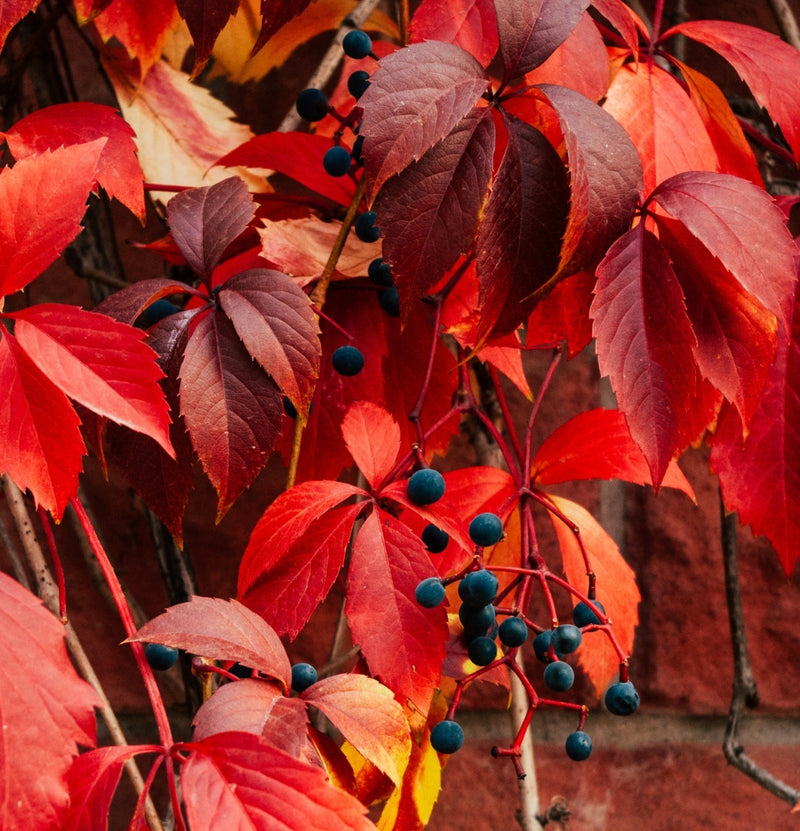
x: 429, y: 212
x: 414, y: 100
x: 46, y: 711
x: 470, y: 24
x: 235, y: 781
x: 80, y: 122
x: 530, y: 32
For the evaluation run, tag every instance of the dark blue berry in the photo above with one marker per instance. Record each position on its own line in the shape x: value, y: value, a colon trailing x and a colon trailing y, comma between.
x: 312, y: 104
x: 303, y: 676
x: 622, y: 699
x: 425, y: 486
x: 336, y: 161
x: 513, y: 631
x: 482, y: 651
x: 578, y: 746
x: 358, y: 150
x: 541, y: 646
x: 429, y: 593
x: 160, y: 657
x: 566, y: 638
x: 158, y: 311
x: 584, y: 616
x: 478, y: 588
x: 348, y: 360
x: 486, y: 529
x: 435, y: 539
x: 241, y: 671
x: 289, y: 408
x: 380, y: 273
x: 365, y: 227
x: 447, y: 736
x: 357, y: 44
x: 357, y: 83
x: 476, y: 620
x: 390, y: 301
x: 559, y: 676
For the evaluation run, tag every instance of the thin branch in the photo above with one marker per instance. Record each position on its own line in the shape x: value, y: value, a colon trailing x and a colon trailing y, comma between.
x: 745, y: 693
x: 787, y: 22
x: 528, y: 788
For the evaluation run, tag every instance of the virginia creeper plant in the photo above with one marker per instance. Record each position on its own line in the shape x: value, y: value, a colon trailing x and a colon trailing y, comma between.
x: 477, y: 181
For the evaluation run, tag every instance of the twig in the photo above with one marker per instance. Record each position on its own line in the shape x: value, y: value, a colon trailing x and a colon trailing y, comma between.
x: 48, y: 593
x: 787, y: 22
x: 331, y: 59
x: 528, y: 788
x: 745, y: 693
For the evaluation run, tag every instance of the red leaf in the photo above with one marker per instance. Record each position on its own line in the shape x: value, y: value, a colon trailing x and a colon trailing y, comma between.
x: 605, y: 178
x: 373, y: 438
x: 296, y: 155
x: 205, y: 19
x: 530, y: 32
x: 92, y: 782
x: 645, y: 345
x: 277, y: 326
x: 414, y: 100
x: 41, y: 446
x: 741, y: 225
x: 470, y: 24
x: 736, y: 335
x: 767, y: 64
x: 205, y: 221
x: 598, y: 445
x: 616, y: 589
x: 564, y: 315
x: 759, y: 474
x: 658, y: 115
x: 624, y: 20
x: 47, y: 711
x: 44, y: 199
x: 231, y: 406
x: 99, y: 363
x: 274, y: 14
x: 429, y: 212
x: 81, y: 122
x: 11, y: 13
x: 221, y: 629
x: 405, y: 652
x: 296, y: 551
x: 519, y: 241
x: 367, y: 715
x: 234, y: 781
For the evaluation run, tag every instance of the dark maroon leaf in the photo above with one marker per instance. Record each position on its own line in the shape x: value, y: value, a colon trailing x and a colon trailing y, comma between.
x: 530, y: 32
x: 519, y: 240
x: 274, y: 14
x: 275, y: 321
x: 415, y: 98
x: 205, y: 20
x: 429, y: 212
x: 205, y: 221
x: 127, y: 304
x: 232, y: 408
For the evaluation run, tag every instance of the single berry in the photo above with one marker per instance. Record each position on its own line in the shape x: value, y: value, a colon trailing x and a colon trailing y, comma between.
x: 348, y: 360
x: 513, y: 631
x: 379, y: 272
x: 390, y: 301
x: 289, y: 408
x: 622, y: 699
x: 303, y: 676
x: 357, y: 83
x: 429, y: 593
x: 541, y: 646
x: 435, y: 539
x: 312, y: 104
x: 559, y: 676
x: 578, y: 746
x: 366, y: 229
x: 476, y: 620
x: 447, y: 736
x: 357, y: 44
x: 566, y: 638
x: 478, y: 588
x: 160, y: 657
x: 486, y: 529
x: 425, y: 486
x: 336, y: 161
x: 584, y: 616
x: 358, y: 150
x: 158, y: 311
x: 482, y: 651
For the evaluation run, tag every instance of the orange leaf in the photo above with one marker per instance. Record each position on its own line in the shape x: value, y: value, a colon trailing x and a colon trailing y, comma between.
x: 373, y: 438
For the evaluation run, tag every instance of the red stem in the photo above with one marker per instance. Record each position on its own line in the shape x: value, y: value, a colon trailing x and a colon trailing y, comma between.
x: 44, y: 518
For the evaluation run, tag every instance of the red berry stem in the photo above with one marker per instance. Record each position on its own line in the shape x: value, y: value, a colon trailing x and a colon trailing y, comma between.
x: 526, y: 462
x: 502, y: 400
